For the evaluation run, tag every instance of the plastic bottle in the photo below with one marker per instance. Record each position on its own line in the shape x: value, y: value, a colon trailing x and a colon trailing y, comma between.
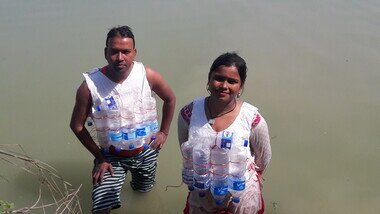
x: 142, y: 131
x: 116, y: 137
x: 153, y: 125
x: 149, y: 105
x: 100, y: 118
x: 224, y: 139
x: 187, y: 164
x: 139, y: 113
x: 152, y: 139
x: 201, y: 165
x: 219, y: 179
x: 113, y: 113
x: 130, y: 140
x: 89, y: 122
x: 238, y: 167
x: 103, y: 138
x: 127, y: 116
x: 150, y: 113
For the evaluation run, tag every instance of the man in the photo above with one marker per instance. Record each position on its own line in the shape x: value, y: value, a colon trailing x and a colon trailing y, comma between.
x: 121, y: 85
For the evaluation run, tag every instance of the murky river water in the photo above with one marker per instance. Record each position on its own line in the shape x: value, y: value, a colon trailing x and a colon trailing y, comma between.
x: 313, y: 73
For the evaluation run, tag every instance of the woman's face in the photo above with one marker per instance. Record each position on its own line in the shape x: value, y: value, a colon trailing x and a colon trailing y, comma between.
x: 225, y: 83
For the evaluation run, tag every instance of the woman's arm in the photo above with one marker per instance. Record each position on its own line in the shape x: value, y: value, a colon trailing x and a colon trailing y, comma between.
x: 260, y: 144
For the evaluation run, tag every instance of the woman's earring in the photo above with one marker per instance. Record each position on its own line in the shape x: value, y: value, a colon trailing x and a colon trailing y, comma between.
x: 239, y: 94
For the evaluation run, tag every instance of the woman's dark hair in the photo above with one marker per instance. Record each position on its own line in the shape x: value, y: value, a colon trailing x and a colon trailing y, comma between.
x: 230, y: 59
x: 122, y: 31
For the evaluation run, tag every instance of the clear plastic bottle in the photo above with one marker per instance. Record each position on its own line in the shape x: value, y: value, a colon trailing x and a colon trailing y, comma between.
x: 139, y: 113
x: 224, y: 139
x: 100, y: 118
x: 238, y: 167
x: 149, y: 105
x: 201, y: 165
x: 107, y: 114
x: 103, y: 139
x: 153, y: 125
x: 187, y: 164
x: 150, y: 113
x: 127, y: 116
x: 89, y: 122
x: 149, y: 144
x: 220, y: 170
x: 113, y: 113
x: 130, y: 140
x: 116, y: 138
x: 143, y: 131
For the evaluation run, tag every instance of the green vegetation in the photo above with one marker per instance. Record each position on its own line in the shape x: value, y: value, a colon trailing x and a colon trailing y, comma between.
x: 6, y: 207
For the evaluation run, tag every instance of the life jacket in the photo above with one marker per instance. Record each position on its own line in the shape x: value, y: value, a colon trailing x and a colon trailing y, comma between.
x: 124, y: 114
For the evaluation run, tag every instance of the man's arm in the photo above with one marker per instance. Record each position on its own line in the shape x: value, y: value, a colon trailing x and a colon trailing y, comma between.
x: 163, y: 90
x: 80, y: 113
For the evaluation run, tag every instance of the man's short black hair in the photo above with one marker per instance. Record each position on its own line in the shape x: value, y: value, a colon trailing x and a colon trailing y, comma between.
x: 122, y: 31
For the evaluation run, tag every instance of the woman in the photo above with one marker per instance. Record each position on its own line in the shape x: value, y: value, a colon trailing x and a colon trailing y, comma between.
x: 223, y: 111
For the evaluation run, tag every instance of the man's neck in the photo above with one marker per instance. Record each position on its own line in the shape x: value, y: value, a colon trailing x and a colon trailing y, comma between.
x: 117, y: 76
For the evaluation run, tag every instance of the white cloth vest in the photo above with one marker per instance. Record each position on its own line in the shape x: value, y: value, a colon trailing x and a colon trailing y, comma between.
x: 199, y: 127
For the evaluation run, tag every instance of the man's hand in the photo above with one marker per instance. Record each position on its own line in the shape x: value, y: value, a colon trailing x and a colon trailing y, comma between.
x: 99, y: 170
x: 158, y: 141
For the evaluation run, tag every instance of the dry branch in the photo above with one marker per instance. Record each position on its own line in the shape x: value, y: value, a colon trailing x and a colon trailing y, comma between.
x: 62, y: 195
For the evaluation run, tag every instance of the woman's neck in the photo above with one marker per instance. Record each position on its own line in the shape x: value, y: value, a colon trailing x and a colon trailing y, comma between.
x: 217, y: 108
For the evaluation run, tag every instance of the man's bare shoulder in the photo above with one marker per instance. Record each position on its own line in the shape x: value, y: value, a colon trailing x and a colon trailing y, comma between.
x: 150, y: 71
x: 154, y: 77
x: 83, y: 90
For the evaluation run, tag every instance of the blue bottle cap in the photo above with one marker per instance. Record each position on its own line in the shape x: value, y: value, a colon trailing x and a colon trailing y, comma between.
x: 131, y: 146
x: 98, y: 108
x: 218, y: 202
x: 236, y: 200
x: 153, y: 138
x: 245, y: 143
x: 104, y: 151
x: 117, y: 149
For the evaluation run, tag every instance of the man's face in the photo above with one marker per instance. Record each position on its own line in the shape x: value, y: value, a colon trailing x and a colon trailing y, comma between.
x: 120, y: 53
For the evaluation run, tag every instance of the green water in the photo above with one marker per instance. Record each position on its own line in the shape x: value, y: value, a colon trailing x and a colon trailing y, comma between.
x: 313, y: 73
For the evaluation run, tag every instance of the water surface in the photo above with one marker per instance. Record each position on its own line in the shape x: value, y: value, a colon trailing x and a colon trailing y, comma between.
x: 313, y: 74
